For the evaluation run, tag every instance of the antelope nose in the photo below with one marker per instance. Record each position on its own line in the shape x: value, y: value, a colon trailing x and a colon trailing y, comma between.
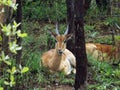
x: 60, y: 51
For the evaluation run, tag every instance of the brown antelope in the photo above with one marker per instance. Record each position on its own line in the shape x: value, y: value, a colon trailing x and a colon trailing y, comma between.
x: 91, y: 49
x: 103, y: 51
x: 108, y: 51
x: 60, y: 58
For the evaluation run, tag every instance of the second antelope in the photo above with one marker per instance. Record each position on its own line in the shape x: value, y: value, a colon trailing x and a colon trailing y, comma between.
x: 105, y: 52
x: 60, y: 58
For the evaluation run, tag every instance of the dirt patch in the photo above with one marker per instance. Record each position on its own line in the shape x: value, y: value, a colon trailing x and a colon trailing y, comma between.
x: 60, y: 87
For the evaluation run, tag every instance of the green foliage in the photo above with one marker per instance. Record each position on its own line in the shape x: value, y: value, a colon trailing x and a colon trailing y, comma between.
x: 117, y: 38
x: 1, y: 88
x: 109, y: 21
x: 106, y: 75
x: 8, y: 79
x: 90, y: 32
x: 44, y: 10
x: 9, y: 3
x: 0, y: 38
x: 24, y: 69
x: 13, y: 47
x: 11, y: 31
x: 4, y: 58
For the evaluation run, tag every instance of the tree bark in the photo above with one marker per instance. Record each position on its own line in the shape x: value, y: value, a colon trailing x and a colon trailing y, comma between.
x: 80, y: 51
x: 86, y: 6
x: 4, y: 17
x: 19, y: 20
x: 70, y: 20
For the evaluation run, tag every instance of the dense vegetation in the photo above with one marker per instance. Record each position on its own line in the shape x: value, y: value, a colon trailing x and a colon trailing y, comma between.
x: 10, y: 72
x: 53, y: 10
x: 39, y: 17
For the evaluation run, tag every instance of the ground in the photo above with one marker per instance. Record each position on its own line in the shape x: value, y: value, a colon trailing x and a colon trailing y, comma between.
x: 60, y: 87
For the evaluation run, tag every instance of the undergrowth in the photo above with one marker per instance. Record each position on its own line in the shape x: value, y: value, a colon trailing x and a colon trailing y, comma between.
x: 105, y: 75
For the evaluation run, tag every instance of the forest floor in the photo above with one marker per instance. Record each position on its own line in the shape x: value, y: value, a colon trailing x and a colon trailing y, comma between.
x: 60, y: 87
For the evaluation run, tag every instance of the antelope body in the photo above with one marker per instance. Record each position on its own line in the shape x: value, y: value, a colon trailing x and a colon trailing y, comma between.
x: 60, y: 58
x: 109, y: 49
x: 91, y: 49
x: 102, y: 51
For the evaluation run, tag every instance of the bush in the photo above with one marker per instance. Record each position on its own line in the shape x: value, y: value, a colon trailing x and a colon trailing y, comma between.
x: 44, y: 10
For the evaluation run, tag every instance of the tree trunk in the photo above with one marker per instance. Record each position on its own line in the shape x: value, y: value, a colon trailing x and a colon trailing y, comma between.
x: 70, y: 20
x: 80, y: 51
x: 86, y: 6
x: 19, y: 20
x: 4, y: 17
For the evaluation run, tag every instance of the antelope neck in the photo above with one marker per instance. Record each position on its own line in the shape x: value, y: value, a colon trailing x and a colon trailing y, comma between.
x: 56, y: 60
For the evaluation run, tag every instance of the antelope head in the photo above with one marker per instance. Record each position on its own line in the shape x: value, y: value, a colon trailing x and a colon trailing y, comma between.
x: 61, y: 40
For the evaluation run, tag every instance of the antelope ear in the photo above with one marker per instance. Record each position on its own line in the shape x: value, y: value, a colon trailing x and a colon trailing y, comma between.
x: 69, y: 36
x: 53, y: 34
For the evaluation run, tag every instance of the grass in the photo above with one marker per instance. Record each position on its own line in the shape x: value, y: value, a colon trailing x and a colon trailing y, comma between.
x: 105, y: 75
x: 101, y: 75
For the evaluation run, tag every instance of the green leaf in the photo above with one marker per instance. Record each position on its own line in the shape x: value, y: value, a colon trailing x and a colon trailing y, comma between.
x: 107, y: 23
x: 21, y: 34
x: 14, y: 6
x: 12, y: 83
x: 117, y: 38
x: 1, y: 88
x: 8, y: 70
x: 3, y: 56
x: 13, y: 70
x: 7, y: 62
x: 6, y: 83
x: 7, y: 57
x: 20, y: 66
x: 12, y: 78
x: 6, y: 29
x: 14, y: 47
x: 18, y: 48
x: 0, y: 38
x: 9, y: 2
x: 15, y: 24
x: 0, y: 59
x: 25, y: 69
